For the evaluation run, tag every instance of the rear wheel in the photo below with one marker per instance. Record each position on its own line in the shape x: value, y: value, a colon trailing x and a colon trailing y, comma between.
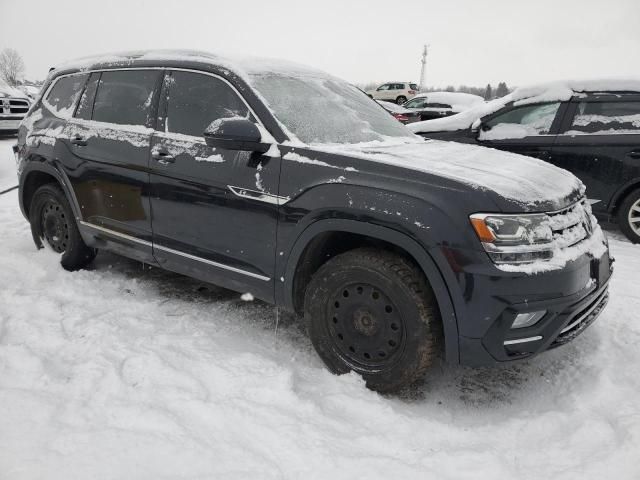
x: 372, y: 312
x: 53, y: 224
x: 629, y: 216
x: 401, y: 99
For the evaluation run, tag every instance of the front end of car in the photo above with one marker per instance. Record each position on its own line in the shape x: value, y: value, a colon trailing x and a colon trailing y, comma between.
x: 12, y: 111
x: 538, y: 281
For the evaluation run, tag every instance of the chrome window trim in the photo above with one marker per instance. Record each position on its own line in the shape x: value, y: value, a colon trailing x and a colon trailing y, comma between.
x: 175, y: 252
x: 166, y: 69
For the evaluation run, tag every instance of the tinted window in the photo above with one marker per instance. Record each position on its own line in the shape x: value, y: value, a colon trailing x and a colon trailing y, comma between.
x: 196, y: 100
x: 413, y: 86
x: 63, y: 96
x: 606, y: 118
x: 526, y: 120
x: 85, y: 106
x: 415, y: 103
x: 437, y: 105
x: 125, y: 97
x: 384, y: 87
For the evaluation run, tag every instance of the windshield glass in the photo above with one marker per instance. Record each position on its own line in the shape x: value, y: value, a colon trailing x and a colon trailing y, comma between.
x: 326, y: 110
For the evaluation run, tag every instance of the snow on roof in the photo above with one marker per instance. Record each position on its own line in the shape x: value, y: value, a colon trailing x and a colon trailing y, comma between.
x: 241, y: 65
x: 545, y: 92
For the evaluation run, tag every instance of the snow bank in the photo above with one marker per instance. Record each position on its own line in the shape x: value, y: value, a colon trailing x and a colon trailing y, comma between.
x: 546, y: 92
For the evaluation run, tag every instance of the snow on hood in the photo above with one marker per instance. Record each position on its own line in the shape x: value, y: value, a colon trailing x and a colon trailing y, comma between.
x: 459, y: 101
x: 8, y: 91
x: 548, y: 92
x: 526, y: 181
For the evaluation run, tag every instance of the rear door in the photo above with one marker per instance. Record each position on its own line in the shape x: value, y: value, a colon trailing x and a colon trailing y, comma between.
x: 108, y: 143
x: 600, y: 144
x: 525, y: 129
x: 214, y: 210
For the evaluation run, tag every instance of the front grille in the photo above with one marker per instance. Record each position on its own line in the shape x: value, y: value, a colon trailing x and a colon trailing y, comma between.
x: 571, y: 225
x: 581, y: 320
x: 14, y: 106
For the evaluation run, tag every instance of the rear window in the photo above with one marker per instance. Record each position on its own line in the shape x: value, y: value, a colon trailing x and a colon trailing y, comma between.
x: 413, y: 86
x: 125, y: 97
x: 602, y: 118
x: 62, y: 98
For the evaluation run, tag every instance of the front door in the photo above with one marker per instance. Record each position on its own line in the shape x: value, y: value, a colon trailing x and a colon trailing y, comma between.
x: 214, y: 211
x: 527, y: 129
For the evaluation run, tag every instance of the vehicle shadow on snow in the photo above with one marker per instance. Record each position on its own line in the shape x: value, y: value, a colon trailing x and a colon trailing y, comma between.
x: 444, y: 385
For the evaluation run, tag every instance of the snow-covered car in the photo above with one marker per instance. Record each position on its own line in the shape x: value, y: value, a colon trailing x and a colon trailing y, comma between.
x: 13, y: 107
x: 290, y: 184
x: 591, y: 128
x: 398, y: 112
x: 397, y: 92
x: 30, y: 91
x: 430, y: 105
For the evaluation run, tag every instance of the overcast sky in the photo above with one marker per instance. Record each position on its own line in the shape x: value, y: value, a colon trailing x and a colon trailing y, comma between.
x: 472, y: 42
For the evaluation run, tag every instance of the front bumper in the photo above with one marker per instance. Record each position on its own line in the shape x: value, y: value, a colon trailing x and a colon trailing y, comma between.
x: 11, y: 124
x: 572, y: 297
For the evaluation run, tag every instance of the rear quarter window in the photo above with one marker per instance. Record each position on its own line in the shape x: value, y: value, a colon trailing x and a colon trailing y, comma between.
x: 64, y: 94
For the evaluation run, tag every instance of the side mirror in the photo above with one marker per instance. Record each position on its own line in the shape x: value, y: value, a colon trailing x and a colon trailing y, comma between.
x: 235, y: 134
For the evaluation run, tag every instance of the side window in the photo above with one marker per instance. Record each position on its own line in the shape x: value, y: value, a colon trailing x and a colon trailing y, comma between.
x: 384, y: 87
x: 438, y: 105
x: 85, y: 106
x: 62, y: 98
x: 603, y: 118
x: 400, y: 86
x: 195, y: 100
x: 415, y: 103
x: 125, y: 97
x: 521, y: 122
x: 413, y: 86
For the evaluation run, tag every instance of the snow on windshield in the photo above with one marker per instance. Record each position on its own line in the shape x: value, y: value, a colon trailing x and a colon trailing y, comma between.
x: 321, y: 109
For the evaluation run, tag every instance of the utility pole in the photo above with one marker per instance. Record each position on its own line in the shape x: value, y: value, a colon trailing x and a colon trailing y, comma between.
x: 424, y: 67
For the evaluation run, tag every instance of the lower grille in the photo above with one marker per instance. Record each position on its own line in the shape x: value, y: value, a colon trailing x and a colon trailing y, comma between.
x: 582, y: 319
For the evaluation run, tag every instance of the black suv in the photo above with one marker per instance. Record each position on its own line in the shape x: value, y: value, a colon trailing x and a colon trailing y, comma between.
x: 592, y: 130
x: 291, y: 184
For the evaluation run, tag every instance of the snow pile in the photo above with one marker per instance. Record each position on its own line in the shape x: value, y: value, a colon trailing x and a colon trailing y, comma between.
x: 127, y: 372
x: 546, y: 92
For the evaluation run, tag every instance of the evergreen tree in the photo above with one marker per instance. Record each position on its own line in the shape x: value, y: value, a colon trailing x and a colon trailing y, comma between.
x: 502, y: 90
x: 488, y: 93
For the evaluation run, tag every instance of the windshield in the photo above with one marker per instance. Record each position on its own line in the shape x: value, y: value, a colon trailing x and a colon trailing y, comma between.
x: 326, y: 110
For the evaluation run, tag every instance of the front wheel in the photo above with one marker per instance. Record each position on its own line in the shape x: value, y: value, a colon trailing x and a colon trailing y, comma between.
x: 52, y: 222
x: 373, y: 312
x: 629, y: 216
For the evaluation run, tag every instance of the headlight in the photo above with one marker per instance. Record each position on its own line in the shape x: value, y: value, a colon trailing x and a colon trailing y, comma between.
x: 514, y: 238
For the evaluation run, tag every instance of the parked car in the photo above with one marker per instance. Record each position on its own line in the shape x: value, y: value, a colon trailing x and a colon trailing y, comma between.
x: 13, y: 106
x: 430, y: 105
x: 30, y: 91
x: 293, y: 185
x: 403, y: 115
x: 590, y: 128
x: 397, y: 92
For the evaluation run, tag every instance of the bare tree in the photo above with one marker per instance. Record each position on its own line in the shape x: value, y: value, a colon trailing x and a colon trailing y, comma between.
x: 11, y: 66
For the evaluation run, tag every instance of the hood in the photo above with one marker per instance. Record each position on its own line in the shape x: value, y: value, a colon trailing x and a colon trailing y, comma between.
x: 516, y: 183
x: 7, y: 91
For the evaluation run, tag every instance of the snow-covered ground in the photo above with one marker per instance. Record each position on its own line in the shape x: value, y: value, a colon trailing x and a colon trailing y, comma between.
x: 122, y: 371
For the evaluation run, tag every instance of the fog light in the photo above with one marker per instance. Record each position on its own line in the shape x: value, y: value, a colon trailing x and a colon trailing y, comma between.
x: 527, y: 319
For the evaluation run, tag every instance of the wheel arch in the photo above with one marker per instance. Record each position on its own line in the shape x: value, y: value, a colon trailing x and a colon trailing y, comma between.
x: 622, y: 193
x: 37, y: 174
x: 313, y: 235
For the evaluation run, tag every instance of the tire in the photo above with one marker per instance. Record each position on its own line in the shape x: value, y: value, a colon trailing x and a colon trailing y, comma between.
x: 52, y: 223
x: 373, y: 312
x: 629, y: 216
x: 401, y: 99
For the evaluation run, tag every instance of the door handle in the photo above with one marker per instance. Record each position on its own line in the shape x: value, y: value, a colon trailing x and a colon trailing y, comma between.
x: 634, y: 154
x: 162, y: 156
x: 78, y: 140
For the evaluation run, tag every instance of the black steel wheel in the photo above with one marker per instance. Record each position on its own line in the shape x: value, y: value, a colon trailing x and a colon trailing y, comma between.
x: 53, y: 224
x: 373, y: 312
